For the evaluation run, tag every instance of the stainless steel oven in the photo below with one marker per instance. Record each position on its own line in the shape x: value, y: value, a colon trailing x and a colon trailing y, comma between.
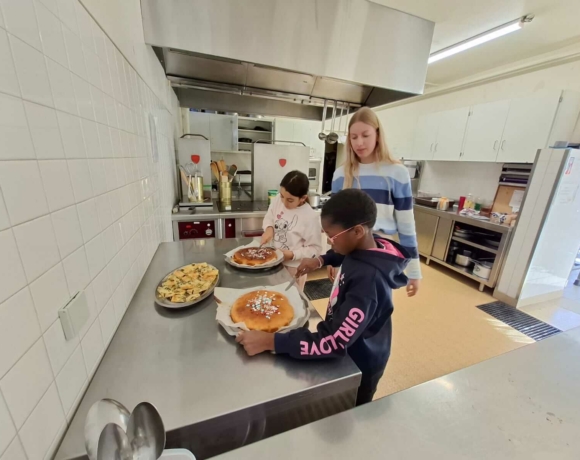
x: 196, y: 230
x: 314, y: 167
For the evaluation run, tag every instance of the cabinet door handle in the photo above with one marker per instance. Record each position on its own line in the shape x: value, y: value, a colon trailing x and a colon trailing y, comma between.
x: 502, y: 144
x: 495, y: 145
x: 436, y: 144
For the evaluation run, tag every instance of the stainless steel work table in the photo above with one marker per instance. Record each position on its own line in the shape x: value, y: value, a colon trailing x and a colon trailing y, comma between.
x: 519, y: 406
x: 212, y: 397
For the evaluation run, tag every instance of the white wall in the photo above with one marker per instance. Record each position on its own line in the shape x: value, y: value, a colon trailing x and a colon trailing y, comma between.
x: 83, y: 204
x: 537, y: 199
x: 458, y: 178
x: 558, y: 241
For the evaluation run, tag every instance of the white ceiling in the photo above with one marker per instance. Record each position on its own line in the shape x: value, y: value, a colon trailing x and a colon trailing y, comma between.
x: 556, y: 25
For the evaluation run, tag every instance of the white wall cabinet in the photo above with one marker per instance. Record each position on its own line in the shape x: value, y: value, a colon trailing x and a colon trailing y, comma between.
x: 527, y: 128
x: 400, y: 133
x: 223, y: 132
x: 284, y: 129
x: 305, y: 131
x: 502, y: 131
x: 450, y: 134
x: 426, y: 136
x: 199, y: 124
x: 484, y: 131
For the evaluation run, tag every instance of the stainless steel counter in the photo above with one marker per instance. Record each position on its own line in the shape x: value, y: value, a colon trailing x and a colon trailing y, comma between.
x: 519, y: 406
x: 435, y: 237
x: 212, y: 397
x: 214, y: 213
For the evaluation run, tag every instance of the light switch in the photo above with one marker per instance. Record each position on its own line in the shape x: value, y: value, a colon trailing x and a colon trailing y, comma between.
x: 74, y: 315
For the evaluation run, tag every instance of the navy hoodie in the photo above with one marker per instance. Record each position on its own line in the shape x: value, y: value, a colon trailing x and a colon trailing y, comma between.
x: 358, y: 319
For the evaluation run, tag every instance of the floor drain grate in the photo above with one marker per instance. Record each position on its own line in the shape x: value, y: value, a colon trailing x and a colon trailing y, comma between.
x: 318, y: 289
x: 520, y: 321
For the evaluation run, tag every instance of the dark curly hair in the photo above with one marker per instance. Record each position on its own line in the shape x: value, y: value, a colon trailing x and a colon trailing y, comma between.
x: 350, y: 207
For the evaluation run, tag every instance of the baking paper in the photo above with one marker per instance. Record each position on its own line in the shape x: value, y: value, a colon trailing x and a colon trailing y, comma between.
x: 253, y: 244
x: 228, y: 296
x: 516, y: 201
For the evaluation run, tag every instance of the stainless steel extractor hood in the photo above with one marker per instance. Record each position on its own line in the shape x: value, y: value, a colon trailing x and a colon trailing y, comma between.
x: 285, y: 57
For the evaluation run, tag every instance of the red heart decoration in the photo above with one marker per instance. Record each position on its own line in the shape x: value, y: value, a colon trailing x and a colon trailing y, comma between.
x: 195, y: 159
x: 282, y: 162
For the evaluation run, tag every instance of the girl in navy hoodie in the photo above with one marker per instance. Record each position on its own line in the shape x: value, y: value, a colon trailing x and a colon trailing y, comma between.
x: 358, y: 318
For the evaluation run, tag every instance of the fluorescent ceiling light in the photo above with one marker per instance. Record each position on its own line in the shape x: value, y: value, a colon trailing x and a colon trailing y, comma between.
x: 500, y: 31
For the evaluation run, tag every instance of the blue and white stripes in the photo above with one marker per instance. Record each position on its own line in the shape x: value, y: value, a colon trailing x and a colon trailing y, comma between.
x: 389, y: 185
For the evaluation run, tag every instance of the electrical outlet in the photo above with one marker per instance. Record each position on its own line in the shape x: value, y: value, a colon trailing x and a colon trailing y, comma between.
x: 74, y: 315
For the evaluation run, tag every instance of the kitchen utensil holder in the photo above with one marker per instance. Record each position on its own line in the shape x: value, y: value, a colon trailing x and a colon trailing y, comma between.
x: 225, y: 192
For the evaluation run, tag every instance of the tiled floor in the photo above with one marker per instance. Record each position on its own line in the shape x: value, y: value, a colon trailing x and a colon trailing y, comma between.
x: 440, y: 331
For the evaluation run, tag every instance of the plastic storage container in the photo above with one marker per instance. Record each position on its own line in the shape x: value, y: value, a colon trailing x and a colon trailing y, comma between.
x: 177, y: 454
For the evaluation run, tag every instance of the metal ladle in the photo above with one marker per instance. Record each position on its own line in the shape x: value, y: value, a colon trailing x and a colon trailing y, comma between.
x: 332, y: 138
x: 114, y: 444
x: 146, y: 432
x: 322, y: 134
x: 101, y: 413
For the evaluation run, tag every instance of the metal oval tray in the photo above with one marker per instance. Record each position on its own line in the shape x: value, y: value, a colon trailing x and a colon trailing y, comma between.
x: 267, y: 266
x: 168, y: 304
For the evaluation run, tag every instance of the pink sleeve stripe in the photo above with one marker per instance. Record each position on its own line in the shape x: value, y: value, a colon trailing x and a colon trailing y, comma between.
x: 340, y: 338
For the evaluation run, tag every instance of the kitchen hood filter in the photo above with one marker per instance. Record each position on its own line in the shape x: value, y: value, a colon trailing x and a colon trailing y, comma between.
x: 298, y: 52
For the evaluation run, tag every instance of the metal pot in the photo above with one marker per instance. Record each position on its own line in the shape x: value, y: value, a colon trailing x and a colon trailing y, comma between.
x: 314, y: 200
x: 463, y: 260
x: 482, y: 269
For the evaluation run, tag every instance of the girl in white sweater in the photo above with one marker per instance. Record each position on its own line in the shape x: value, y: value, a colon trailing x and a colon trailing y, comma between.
x: 292, y: 225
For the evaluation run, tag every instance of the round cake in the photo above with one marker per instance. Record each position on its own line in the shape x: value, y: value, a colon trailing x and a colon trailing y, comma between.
x: 265, y: 311
x: 254, y: 256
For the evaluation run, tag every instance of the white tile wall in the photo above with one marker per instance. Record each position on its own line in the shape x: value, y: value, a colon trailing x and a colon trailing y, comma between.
x: 57, y: 184
x: 15, y: 451
x: 71, y: 379
x: 12, y: 277
x: 37, y: 246
x: 40, y: 429
x: 4, y: 220
x: 20, y: 21
x: 82, y: 205
x: 50, y: 293
x: 43, y: 125
x: 8, y: 80
x: 7, y: 430
x: 68, y: 230
x: 26, y: 382
x: 14, y: 133
x: 31, y: 72
x: 61, y: 84
x: 18, y: 328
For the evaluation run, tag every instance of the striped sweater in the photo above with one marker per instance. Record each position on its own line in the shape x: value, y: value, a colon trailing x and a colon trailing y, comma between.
x: 389, y: 185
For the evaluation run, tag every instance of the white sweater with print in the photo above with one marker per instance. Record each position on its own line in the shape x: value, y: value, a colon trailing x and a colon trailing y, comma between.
x: 297, y: 230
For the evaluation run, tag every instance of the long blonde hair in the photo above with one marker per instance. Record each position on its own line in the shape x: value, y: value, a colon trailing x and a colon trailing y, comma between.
x: 381, y: 153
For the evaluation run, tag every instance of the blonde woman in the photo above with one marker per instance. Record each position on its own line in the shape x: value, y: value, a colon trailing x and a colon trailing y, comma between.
x: 370, y: 167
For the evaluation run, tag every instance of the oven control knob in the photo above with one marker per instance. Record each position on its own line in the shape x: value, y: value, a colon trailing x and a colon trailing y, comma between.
x: 185, y: 233
x: 209, y: 232
x: 193, y: 232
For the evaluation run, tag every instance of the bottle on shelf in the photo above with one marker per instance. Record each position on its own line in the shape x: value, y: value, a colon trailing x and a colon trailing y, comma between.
x: 477, y: 205
x: 469, y: 202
